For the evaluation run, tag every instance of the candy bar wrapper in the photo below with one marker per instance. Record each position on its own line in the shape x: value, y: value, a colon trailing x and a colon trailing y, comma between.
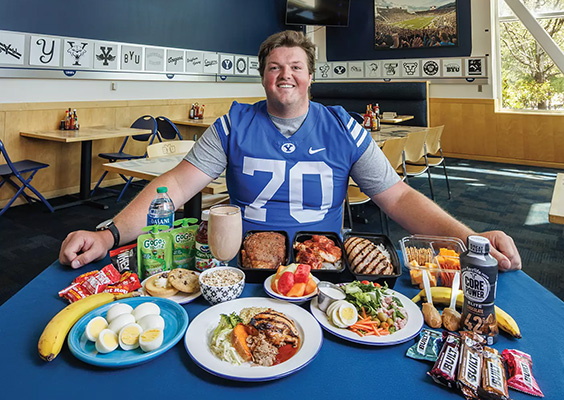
x: 125, y: 258
x: 427, y: 347
x: 470, y: 365
x: 494, y: 382
x: 520, y: 366
x: 444, y: 370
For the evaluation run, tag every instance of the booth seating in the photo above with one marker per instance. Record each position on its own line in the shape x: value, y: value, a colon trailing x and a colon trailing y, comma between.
x: 404, y: 98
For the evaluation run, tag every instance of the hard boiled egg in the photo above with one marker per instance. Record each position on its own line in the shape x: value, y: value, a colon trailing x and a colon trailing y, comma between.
x: 121, y: 321
x: 335, y: 319
x: 347, y: 314
x: 107, y: 341
x: 332, y: 307
x: 129, y: 336
x: 152, y: 321
x: 151, y: 340
x: 144, y: 309
x: 94, y: 327
x: 118, y: 309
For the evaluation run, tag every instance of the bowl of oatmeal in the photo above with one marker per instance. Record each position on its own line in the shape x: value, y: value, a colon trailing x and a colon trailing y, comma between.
x: 221, y: 284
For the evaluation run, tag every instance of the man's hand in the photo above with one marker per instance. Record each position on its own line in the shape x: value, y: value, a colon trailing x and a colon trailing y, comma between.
x: 503, y: 250
x: 82, y: 247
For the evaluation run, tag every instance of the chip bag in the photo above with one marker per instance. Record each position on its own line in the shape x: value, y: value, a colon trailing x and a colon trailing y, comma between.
x: 154, y: 251
x: 183, y: 243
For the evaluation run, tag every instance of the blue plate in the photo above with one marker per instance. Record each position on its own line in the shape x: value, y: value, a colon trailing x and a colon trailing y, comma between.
x: 176, y: 322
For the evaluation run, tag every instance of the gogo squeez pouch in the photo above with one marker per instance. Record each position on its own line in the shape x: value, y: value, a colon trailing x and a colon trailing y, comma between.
x: 154, y: 251
x: 183, y: 242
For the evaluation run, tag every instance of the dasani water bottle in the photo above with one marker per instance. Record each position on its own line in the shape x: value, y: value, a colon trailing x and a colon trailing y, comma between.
x: 161, y: 210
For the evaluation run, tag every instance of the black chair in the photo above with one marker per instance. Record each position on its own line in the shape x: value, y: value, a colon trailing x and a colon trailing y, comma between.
x: 167, y: 129
x: 144, y: 122
x: 16, y: 169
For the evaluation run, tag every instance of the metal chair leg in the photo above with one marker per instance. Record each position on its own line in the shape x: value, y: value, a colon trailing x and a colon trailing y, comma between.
x: 446, y: 175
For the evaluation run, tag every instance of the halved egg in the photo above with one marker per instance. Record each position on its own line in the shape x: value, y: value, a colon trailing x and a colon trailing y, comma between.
x: 107, y: 341
x: 118, y: 309
x: 129, y: 336
x: 147, y: 308
x: 335, y: 319
x: 347, y: 314
x: 332, y: 306
x: 151, y: 340
x: 152, y: 321
x: 120, y: 321
x: 94, y: 327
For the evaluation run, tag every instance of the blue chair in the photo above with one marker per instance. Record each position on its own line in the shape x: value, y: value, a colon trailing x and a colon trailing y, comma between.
x: 16, y: 169
x: 167, y: 129
x: 144, y: 122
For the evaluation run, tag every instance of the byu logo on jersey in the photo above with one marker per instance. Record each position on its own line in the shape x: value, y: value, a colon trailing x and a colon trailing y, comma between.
x: 288, y: 148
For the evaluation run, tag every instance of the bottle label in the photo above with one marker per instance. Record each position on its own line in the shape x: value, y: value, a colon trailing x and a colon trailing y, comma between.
x: 204, y: 258
x: 154, y: 220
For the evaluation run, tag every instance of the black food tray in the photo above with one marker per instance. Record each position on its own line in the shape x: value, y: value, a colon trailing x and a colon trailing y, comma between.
x: 387, y: 243
x: 257, y: 275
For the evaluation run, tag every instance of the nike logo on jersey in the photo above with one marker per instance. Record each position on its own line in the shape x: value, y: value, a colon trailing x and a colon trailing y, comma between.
x: 311, y: 151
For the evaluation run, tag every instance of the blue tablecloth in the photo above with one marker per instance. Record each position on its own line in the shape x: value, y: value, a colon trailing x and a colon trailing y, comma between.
x: 341, y: 369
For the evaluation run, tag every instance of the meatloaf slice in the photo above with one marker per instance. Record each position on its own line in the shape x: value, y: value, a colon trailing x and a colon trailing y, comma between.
x: 264, y: 250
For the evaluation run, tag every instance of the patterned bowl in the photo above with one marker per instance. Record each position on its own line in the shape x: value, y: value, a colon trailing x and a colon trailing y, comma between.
x: 221, y: 284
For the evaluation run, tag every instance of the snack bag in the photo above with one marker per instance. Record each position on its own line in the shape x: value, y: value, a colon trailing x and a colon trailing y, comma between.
x: 183, y: 243
x: 154, y: 251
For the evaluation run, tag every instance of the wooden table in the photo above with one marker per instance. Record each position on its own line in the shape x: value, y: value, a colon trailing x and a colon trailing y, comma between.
x: 85, y: 136
x: 397, y: 119
x: 556, y: 212
x: 391, y: 131
x: 150, y: 168
x: 201, y: 123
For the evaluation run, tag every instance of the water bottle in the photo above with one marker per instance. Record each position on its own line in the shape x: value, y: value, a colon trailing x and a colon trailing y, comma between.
x: 479, y: 283
x: 161, y: 210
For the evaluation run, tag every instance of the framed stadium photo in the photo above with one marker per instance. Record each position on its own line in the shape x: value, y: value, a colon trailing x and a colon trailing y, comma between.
x: 405, y: 24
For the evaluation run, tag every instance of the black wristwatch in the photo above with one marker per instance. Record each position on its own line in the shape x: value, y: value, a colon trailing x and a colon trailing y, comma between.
x: 110, y: 226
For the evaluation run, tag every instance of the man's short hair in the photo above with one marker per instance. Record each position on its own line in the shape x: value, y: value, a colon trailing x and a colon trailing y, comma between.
x: 287, y: 39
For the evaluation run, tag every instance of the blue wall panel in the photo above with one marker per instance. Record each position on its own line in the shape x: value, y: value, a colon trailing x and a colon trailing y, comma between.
x: 229, y: 26
x: 356, y: 42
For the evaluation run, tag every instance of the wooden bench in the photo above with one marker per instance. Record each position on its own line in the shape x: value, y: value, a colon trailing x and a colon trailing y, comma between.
x: 556, y: 212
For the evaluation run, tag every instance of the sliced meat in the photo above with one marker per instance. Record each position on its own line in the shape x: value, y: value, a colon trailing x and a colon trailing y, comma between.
x: 264, y: 250
x: 365, y: 257
x: 277, y: 327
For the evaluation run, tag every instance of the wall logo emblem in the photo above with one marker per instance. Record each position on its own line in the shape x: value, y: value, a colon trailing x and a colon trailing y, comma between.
x: 288, y: 148
x: 356, y: 68
x: 227, y: 64
x: 324, y: 69
x: 339, y: 70
x: 241, y: 65
x: 431, y: 68
x: 452, y: 68
x: 410, y: 68
x: 10, y: 51
x: 105, y: 55
x: 46, y: 53
x: 77, y: 50
x: 475, y: 67
x: 373, y: 68
x: 391, y: 68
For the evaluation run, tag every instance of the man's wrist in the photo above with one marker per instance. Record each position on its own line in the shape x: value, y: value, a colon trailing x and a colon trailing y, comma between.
x: 113, y: 231
x: 108, y: 239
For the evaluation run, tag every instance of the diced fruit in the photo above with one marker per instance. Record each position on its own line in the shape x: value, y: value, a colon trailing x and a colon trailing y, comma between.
x: 302, y: 273
x: 279, y: 272
x: 311, y: 286
x: 297, y: 290
x: 285, y: 282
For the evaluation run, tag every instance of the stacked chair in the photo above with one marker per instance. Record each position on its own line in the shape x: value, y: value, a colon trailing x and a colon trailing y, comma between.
x: 144, y: 122
x: 16, y: 170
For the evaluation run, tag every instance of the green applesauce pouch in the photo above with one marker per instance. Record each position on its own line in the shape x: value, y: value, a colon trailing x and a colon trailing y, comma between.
x: 183, y: 242
x: 154, y: 251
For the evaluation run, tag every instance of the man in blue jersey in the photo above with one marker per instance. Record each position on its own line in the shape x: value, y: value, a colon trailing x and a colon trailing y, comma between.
x: 287, y: 163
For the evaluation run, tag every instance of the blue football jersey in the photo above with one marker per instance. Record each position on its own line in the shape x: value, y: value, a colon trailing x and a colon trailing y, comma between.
x: 291, y: 184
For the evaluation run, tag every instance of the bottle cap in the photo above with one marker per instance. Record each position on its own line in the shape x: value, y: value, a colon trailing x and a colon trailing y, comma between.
x: 478, y: 244
x: 162, y: 189
x: 205, y: 215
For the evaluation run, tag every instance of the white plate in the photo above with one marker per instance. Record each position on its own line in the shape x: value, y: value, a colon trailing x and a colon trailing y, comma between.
x: 201, y: 328
x: 409, y: 331
x: 296, y: 300
x: 180, y: 297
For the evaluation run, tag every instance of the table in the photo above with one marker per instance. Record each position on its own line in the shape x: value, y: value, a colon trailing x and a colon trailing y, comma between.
x: 85, y: 136
x: 200, y: 123
x: 397, y: 119
x: 390, y: 131
x: 556, y: 212
x: 340, y: 370
x: 150, y: 168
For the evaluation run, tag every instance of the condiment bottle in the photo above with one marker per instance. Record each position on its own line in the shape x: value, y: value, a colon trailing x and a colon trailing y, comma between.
x: 479, y: 283
x: 204, y: 258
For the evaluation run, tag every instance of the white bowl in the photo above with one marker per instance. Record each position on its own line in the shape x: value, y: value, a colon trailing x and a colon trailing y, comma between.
x: 220, y: 293
x: 294, y: 300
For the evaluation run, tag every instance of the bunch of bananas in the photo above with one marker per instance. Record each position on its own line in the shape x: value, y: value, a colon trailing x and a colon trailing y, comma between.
x: 53, y: 337
x: 441, y: 295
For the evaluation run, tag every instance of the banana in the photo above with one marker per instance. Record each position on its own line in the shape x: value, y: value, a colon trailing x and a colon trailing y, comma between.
x: 54, y: 334
x: 441, y: 295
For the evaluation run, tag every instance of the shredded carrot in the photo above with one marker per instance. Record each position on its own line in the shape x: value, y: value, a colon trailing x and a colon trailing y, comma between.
x: 375, y: 330
x: 363, y: 312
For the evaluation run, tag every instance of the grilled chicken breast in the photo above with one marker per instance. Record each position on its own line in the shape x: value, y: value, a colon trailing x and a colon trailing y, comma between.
x: 365, y: 258
x: 278, y: 328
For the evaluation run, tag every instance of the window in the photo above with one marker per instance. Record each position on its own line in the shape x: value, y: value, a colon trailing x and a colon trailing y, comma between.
x: 530, y: 78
